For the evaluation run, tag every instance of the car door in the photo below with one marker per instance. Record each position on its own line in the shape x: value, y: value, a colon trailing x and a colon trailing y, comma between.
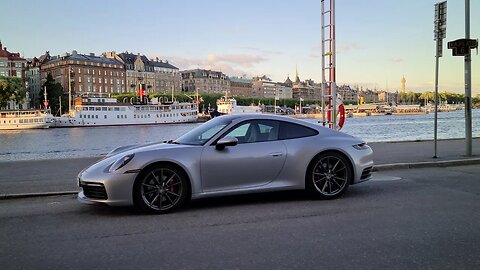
x: 256, y: 160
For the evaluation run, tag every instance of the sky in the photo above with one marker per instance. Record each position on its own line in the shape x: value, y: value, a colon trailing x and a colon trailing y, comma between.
x: 378, y: 41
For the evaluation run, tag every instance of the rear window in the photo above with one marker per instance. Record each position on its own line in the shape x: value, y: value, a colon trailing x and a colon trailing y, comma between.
x: 293, y: 131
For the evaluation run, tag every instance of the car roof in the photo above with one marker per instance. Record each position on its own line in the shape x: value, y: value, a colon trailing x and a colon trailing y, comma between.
x: 258, y: 116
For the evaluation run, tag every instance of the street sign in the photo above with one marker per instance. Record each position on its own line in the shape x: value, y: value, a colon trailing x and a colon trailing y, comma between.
x: 462, y: 47
x: 440, y: 22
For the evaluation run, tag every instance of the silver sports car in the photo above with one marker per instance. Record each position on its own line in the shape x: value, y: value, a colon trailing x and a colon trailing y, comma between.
x: 230, y: 154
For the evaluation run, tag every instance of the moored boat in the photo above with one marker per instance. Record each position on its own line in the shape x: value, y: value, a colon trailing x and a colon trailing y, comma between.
x: 226, y: 105
x: 24, y: 119
x: 96, y: 111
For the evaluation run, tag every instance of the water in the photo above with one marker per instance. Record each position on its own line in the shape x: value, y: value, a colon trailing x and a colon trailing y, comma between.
x: 88, y: 142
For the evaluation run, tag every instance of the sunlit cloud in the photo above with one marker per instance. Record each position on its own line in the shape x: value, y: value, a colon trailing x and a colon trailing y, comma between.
x: 230, y: 64
x: 243, y: 60
x: 344, y: 47
x: 396, y: 60
x: 261, y: 51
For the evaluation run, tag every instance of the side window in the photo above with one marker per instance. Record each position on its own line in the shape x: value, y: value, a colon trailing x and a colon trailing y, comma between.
x: 255, y: 131
x: 293, y: 131
x: 241, y: 132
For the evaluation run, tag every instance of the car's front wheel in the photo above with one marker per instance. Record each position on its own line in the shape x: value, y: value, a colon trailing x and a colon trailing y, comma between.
x: 329, y: 175
x: 160, y: 189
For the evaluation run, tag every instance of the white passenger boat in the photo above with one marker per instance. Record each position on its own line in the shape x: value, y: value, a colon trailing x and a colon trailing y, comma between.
x: 227, y: 105
x: 89, y: 112
x: 24, y: 119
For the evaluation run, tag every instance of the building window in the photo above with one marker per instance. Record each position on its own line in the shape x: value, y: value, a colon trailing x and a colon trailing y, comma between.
x: 79, y: 70
x: 93, y: 71
x: 80, y: 79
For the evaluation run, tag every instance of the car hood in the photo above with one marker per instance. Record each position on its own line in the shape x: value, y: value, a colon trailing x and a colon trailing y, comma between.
x: 142, y: 147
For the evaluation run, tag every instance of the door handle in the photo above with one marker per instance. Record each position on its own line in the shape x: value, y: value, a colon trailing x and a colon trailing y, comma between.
x: 276, y: 154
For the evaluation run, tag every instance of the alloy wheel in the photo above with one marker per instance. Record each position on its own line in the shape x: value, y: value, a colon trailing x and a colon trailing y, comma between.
x: 161, y: 189
x: 330, y: 176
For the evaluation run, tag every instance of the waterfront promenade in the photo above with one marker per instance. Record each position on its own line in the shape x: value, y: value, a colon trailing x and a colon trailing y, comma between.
x: 59, y: 176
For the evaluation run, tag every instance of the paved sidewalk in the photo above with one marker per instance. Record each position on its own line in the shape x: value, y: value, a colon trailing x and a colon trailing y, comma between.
x: 59, y: 176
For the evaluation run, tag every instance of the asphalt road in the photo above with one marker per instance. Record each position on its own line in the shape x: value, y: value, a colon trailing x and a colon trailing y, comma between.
x: 405, y: 219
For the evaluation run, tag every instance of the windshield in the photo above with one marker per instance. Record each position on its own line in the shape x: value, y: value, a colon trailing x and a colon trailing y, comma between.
x: 203, y: 133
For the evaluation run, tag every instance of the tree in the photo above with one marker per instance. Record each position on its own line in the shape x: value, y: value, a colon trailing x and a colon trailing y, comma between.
x: 54, y: 91
x: 11, y: 89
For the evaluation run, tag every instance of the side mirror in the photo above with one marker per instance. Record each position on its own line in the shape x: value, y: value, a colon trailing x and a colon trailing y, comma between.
x: 226, y: 141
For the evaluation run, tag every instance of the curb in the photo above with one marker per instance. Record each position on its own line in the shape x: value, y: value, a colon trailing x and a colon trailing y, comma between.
x: 32, y: 195
x: 445, y: 163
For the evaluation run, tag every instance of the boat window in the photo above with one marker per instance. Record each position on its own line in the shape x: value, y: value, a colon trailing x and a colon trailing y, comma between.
x: 98, y: 108
x: 116, y: 109
x: 91, y: 108
x: 104, y: 108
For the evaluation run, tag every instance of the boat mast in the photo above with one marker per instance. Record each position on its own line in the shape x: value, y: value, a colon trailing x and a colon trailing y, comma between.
x: 45, y: 102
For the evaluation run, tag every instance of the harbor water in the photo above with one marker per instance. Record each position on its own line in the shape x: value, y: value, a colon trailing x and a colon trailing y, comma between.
x: 94, y: 141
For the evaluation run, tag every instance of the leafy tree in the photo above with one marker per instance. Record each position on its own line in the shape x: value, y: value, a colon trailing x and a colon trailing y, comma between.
x: 54, y: 92
x: 11, y: 89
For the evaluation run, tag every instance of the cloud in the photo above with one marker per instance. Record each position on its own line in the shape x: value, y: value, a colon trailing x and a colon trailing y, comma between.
x: 345, y: 47
x: 243, y: 60
x: 261, y: 51
x: 230, y: 64
x: 396, y: 59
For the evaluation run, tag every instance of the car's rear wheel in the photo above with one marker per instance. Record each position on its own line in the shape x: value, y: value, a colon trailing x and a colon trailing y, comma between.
x: 161, y: 189
x: 329, y: 175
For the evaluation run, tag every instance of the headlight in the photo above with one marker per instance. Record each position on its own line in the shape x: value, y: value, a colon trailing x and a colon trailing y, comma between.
x: 361, y: 146
x: 120, y: 163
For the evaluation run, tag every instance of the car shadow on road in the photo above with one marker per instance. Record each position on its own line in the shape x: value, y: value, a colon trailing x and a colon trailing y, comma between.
x: 363, y: 191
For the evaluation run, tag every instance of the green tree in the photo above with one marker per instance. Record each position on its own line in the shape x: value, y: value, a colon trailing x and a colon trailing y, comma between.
x: 54, y: 92
x: 11, y: 89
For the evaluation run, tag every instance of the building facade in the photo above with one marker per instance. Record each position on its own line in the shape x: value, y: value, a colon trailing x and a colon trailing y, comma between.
x: 306, y: 89
x: 157, y: 76
x: 205, y: 81
x: 33, y: 82
x: 240, y: 87
x: 349, y: 95
x: 265, y: 88
x: 90, y: 74
x: 13, y: 65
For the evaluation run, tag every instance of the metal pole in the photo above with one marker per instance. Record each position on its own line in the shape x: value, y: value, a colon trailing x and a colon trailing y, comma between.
x: 69, y: 90
x: 468, y: 89
x: 435, y: 126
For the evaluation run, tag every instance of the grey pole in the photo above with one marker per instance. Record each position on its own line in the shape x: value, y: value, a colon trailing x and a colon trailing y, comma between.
x: 435, y: 126
x: 468, y: 81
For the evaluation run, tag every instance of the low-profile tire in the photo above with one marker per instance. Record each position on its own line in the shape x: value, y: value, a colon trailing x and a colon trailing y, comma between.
x: 160, y: 189
x: 328, y: 175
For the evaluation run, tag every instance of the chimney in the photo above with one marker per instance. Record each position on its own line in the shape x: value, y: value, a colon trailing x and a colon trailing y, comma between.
x: 0, y: 44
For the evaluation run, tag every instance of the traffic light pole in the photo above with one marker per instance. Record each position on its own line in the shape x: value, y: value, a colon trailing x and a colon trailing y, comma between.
x: 468, y: 87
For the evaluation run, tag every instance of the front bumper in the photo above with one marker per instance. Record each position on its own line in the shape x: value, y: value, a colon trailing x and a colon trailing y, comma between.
x: 106, y: 188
